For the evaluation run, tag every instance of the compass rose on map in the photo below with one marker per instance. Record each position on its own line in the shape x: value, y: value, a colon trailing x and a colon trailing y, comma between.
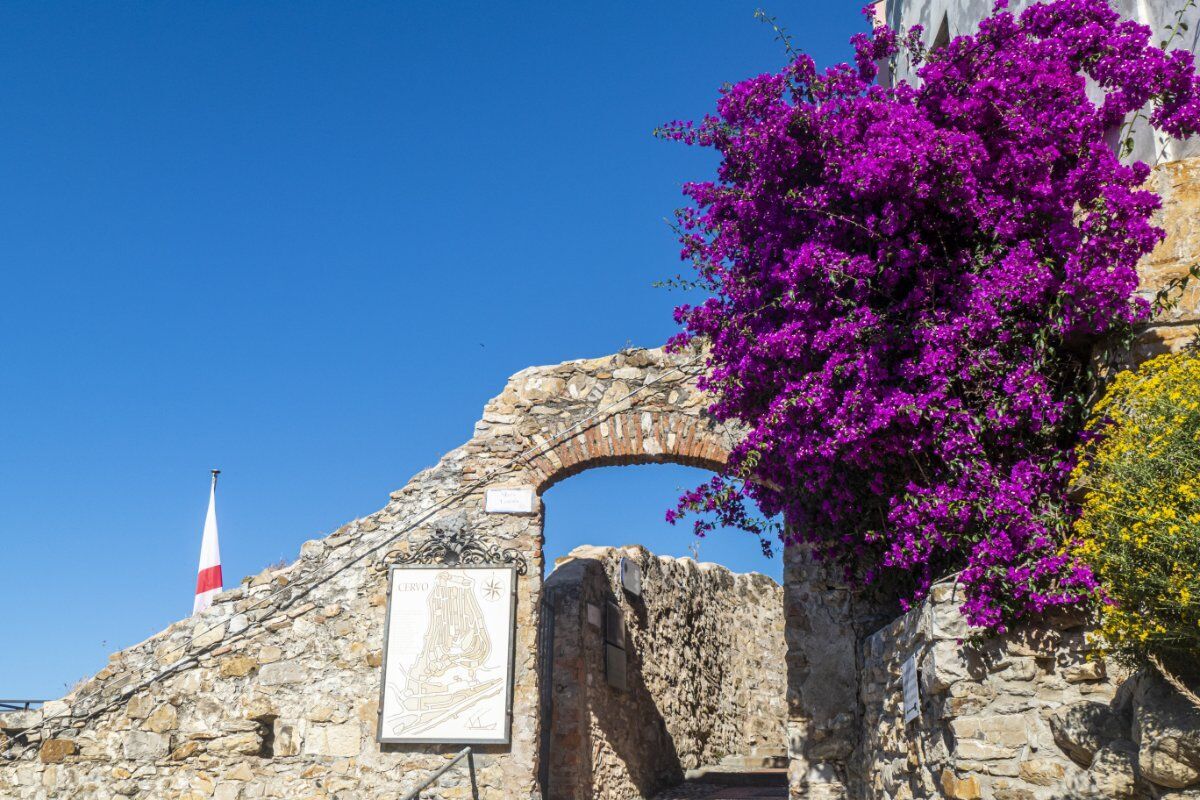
x: 491, y: 589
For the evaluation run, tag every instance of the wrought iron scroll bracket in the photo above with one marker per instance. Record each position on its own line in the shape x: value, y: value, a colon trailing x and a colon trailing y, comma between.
x: 455, y: 548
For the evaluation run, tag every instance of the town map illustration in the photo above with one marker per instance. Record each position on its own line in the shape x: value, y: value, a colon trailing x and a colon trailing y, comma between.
x: 446, y: 671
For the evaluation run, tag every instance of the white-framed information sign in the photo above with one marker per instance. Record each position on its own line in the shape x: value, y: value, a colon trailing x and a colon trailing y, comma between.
x: 448, y: 655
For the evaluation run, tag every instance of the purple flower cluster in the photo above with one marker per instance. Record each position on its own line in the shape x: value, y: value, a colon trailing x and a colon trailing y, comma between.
x: 905, y: 286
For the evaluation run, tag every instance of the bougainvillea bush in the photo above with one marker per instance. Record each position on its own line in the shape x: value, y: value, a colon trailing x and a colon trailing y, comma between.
x: 905, y: 285
x: 1139, y: 528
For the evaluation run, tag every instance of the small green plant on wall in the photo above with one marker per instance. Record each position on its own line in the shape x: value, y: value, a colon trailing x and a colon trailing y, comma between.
x: 1140, y: 523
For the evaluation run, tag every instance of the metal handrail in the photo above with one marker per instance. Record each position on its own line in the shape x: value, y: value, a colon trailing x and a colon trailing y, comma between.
x: 19, y: 705
x: 465, y: 753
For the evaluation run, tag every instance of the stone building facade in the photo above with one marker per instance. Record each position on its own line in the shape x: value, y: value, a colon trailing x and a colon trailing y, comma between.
x: 702, y: 673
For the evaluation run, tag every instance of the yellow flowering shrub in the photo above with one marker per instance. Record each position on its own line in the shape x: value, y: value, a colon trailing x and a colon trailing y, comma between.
x: 1139, y: 528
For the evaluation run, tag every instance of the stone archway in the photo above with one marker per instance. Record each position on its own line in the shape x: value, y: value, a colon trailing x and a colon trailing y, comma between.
x: 275, y: 687
x: 639, y: 407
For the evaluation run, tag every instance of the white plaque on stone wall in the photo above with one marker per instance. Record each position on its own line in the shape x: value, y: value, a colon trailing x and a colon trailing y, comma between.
x: 912, y: 695
x: 447, y: 657
x: 631, y: 576
x: 508, y: 501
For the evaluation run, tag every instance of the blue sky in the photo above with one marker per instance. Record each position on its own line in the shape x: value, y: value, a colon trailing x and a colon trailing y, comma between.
x: 305, y: 242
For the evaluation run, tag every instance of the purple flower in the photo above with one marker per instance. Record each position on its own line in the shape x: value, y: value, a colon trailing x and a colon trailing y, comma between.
x: 905, y: 286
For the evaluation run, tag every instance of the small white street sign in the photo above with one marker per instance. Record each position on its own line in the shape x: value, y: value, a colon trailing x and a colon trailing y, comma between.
x: 508, y: 501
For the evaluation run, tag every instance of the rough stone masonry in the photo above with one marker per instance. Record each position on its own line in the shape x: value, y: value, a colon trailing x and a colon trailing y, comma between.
x: 702, y: 652
x: 273, y: 692
x: 1029, y: 716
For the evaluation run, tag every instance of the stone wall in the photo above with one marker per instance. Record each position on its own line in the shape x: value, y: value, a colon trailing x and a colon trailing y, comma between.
x: 1033, y: 715
x: 824, y: 620
x: 705, y: 677
x: 985, y: 724
x: 273, y: 691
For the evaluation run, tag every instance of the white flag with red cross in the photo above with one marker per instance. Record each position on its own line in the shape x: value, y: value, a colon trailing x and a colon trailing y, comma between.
x: 208, y: 581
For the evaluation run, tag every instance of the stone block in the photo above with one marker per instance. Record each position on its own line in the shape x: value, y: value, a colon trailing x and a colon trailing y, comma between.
x: 287, y: 738
x: 1092, y: 670
x: 140, y: 706
x: 1020, y: 669
x: 162, y: 719
x: 1003, y: 790
x: 973, y: 750
x: 169, y: 652
x: 19, y: 720
x: 54, y: 751
x: 1163, y: 339
x: 1167, y: 731
x: 236, y: 666
x: 1042, y: 771
x: 1002, y: 730
x: 960, y: 788
x: 282, y: 672
x: 207, y: 634
x: 145, y: 745
x: 246, y: 743
x: 343, y: 740
x: 1082, y: 728
x: 946, y: 617
x: 241, y: 772
x: 1112, y: 775
x: 944, y: 666
x: 186, y: 750
x: 269, y: 654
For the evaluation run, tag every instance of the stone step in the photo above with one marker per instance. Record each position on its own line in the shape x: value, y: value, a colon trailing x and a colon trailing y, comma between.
x: 765, y: 760
x: 772, y: 778
x: 748, y: 793
x: 696, y: 790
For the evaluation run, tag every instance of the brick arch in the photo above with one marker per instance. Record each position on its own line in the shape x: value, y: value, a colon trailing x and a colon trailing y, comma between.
x: 633, y: 407
x: 631, y: 437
